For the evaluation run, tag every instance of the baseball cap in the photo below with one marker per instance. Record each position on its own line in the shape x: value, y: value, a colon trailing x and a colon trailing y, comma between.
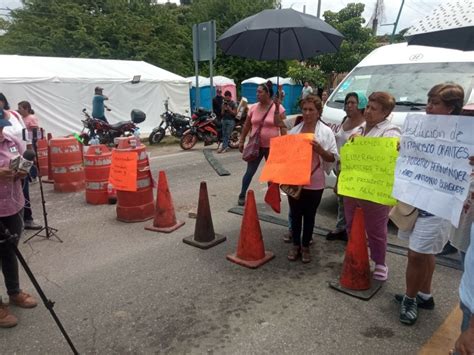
x: 98, y: 88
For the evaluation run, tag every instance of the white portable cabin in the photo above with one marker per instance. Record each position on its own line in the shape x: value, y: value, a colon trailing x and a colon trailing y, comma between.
x: 59, y: 88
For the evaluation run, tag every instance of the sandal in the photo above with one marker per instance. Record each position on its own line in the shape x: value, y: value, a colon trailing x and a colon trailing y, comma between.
x: 294, y: 253
x: 305, y: 255
x: 380, y: 272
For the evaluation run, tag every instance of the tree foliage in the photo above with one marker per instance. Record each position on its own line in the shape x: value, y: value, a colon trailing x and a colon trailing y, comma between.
x: 302, y: 72
x: 358, y: 41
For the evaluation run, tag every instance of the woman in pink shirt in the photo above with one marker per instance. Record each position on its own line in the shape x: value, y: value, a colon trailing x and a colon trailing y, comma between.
x: 260, y: 120
x: 28, y: 115
x: 11, y: 218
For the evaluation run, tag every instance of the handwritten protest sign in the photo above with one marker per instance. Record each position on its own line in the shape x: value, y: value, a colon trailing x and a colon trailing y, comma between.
x: 123, y: 171
x: 433, y: 171
x: 367, y: 169
x: 290, y: 160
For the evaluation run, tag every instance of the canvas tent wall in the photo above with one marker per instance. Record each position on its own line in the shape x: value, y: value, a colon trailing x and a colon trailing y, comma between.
x: 59, y: 88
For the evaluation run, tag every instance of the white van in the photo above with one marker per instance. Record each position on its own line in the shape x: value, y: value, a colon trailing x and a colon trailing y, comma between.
x: 406, y: 72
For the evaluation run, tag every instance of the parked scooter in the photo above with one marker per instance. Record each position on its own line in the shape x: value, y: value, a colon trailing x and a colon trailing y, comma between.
x: 106, y: 132
x: 175, y: 123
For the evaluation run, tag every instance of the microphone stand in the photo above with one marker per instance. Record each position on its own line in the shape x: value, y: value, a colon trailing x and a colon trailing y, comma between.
x: 10, y: 241
x: 49, y: 231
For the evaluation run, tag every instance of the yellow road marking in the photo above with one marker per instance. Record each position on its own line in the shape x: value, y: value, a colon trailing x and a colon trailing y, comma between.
x: 445, y: 336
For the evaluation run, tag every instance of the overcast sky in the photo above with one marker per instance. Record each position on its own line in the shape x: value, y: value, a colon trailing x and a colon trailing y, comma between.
x: 413, y: 10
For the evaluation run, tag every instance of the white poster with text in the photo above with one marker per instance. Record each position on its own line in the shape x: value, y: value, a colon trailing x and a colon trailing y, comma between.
x: 433, y: 171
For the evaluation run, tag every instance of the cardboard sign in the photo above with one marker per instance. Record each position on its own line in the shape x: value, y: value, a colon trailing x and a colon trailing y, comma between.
x: 367, y: 169
x: 123, y: 170
x: 433, y: 171
x: 290, y: 160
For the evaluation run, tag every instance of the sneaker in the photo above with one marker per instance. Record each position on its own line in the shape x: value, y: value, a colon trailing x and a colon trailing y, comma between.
x: 241, y: 201
x: 294, y: 253
x: 421, y: 302
x: 288, y: 237
x: 23, y: 300
x: 337, y: 235
x: 448, y: 249
x: 408, y: 311
x: 220, y: 150
x: 226, y: 150
x: 30, y: 224
x: 7, y: 320
x: 305, y: 255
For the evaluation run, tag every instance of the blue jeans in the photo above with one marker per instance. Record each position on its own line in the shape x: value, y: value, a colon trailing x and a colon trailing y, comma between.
x: 27, y: 213
x: 252, y: 167
x: 8, y: 258
x: 227, y: 127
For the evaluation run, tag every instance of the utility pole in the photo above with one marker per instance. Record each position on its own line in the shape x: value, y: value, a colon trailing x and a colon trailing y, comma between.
x: 392, y: 38
x: 375, y: 21
x: 319, y: 8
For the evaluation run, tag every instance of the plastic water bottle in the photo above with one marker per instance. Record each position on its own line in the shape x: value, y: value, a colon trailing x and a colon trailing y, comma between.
x: 137, y: 135
x: 94, y: 140
x: 111, y: 194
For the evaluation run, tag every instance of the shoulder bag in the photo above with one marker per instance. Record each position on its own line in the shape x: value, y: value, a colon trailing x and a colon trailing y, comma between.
x: 403, y: 216
x: 252, y: 149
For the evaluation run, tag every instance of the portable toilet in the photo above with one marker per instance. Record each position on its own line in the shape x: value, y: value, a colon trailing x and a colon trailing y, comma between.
x: 248, y: 88
x: 204, y: 93
x: 290, y: 101
x: 223, y: 83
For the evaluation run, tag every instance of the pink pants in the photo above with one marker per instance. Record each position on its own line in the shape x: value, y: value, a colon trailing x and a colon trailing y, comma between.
x: 376, y: 220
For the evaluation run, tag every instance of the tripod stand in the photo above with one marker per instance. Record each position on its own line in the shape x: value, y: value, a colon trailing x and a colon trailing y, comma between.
x: 49, y: 231
x: 11, y: 241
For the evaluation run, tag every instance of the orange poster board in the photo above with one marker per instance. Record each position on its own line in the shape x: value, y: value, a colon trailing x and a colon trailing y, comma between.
x: 123, y: 170
x: 290, y: 160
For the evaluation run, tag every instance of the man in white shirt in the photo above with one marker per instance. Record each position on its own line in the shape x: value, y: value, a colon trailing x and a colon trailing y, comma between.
x: 307, y: 89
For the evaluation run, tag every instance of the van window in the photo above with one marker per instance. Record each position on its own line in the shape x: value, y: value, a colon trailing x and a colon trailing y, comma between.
x: 408, y: 83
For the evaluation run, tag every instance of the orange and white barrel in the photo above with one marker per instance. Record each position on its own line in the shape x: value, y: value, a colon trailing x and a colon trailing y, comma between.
x: 66, y: 164
x: 97, y: 160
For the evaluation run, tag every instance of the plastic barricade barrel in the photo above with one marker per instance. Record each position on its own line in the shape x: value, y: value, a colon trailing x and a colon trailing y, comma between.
x: 97, y: 161
x: 136, y: 206
x: 66, y: 164
x: 42, y: 151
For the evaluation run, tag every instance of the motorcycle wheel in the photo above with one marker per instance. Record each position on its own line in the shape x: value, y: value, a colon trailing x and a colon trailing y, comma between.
x: 188, y: 141
x: 156, y: 136
x: 234, y: 139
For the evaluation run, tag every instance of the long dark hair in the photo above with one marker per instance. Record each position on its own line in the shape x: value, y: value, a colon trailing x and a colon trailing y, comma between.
x: 6, y: 106
x: 267, y: 89
x: 27, y: 106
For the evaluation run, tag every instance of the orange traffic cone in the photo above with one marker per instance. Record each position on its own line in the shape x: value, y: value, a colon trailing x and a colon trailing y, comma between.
x: 250, y: 250
x: 165, y: 217
x: 204, y: 236
x: 356, y: 269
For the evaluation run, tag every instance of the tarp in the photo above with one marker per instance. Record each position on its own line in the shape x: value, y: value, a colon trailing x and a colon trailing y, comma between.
x: 59, y: 88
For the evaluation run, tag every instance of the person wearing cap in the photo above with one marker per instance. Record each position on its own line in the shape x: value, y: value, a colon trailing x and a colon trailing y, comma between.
x: 11, y: 218
x: 98, y: 106
x: 354, y: 105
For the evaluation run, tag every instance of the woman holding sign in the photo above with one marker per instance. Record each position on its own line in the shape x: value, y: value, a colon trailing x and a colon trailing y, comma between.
x: 430, y: 232
x: 377, y: 124
x: 303, y: 209
x: 260, y: 125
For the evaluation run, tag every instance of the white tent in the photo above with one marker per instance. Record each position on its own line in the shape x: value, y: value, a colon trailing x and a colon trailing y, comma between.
x: 59, y: 88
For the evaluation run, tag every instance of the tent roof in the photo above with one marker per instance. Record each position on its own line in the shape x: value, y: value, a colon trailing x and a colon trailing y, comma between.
x: 30, y: 68
x: 222, y: 80
x: 282, y: 80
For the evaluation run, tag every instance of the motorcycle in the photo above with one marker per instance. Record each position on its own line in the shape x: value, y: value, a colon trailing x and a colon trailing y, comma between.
x: 203, y: 128
x: 106, y: 132
x: 176, y: 123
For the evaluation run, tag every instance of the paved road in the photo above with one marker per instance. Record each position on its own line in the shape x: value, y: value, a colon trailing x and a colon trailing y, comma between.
x: 121, y: 289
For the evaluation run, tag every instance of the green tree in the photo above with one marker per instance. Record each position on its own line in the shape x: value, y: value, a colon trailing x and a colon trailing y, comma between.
x: 301, y: 72
x: 358, y: 41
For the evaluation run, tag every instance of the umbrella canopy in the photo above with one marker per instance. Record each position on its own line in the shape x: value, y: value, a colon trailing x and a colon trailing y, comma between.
x: 280, y: 34
x: 450, y: 25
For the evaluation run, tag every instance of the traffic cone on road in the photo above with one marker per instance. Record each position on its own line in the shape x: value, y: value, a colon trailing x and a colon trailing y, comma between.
x: 204, y: 236
x: 356, y: 268
x: 250, y: 250
x: 165, y: 217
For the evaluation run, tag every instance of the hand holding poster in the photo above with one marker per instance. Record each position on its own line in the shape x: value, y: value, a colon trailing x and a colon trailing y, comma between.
x: 290, y: 160
x: 123, y: 170
x: 367, y: 169
x: 433, y: 171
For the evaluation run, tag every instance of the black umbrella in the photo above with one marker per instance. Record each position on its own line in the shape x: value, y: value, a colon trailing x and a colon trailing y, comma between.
x: 280, y: 34
x: 450, y: 25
